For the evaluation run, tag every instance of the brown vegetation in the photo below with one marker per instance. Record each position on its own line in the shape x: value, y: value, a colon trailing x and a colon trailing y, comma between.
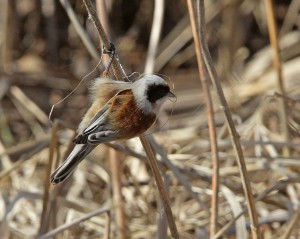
x: 43, y: 58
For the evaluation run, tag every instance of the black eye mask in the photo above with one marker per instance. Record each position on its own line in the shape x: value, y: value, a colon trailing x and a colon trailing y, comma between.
x: 156, y: 92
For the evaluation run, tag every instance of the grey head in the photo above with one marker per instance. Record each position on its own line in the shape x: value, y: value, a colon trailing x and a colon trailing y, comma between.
x: 150, y: 92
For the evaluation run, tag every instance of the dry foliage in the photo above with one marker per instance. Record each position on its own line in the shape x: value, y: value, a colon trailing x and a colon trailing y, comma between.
x: 43, y: 59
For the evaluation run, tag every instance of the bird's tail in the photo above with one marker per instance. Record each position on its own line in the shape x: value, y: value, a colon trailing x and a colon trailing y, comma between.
x: 79, y: 152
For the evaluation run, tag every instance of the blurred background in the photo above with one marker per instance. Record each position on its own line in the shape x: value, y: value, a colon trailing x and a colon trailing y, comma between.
x: 42, y: 59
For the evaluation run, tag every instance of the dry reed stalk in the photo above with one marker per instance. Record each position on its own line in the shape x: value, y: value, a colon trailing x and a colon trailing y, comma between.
x: 101, y: 7
x: 44, y: 223
x: 290, y: 17
x: 161, y: 221
x: 281, y: 183
x: 171, y: 46
x: 116, y: 172
x: 237, y: 210
x: 66, y: 226
x: 107, y: 225
x: 120, y: 74
x: 277, y: 64
x: 161, y: 187
x: 158, y: 15
x: 180, y: 176
x: 40, y: 145
x: 231, y: 127
x: 204, y: 78
x: 79, y: 29
x: 4, y: 48
x: 117, y: 68
x: 157, y: 22
x: 29, y: 105
x: 294, y: 220
x: 114, y: 156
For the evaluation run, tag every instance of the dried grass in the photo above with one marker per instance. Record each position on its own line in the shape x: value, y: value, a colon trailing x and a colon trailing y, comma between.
x: 84, y: 201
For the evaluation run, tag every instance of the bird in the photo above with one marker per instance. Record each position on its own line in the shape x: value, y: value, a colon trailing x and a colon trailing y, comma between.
x: 119, y: 110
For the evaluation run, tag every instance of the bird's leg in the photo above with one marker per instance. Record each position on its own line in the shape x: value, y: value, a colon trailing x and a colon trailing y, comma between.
x: 111, y: 51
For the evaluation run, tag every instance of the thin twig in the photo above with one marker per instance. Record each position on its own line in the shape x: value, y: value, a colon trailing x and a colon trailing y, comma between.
x: 292, y: 224
x: 114, y: 156
x: 276, y: 186
x: 81, y: 32
x: 180, y: 177
x: 161, y: 221
x: 102, y: 12
x: 103, y: 17
x: 290, y: 17
x: 180, y: 35
x: 4, y: 49
x: 118, y: 70
x: 204, y: 78
x: 44, y: 217
x: 23, y: 158
x: 277, y: 64
x: 28, y: 104
x: 149, y: 67
x: 4, y: 226
x: 66, y: 226
x: 236, y: 208
x: 160, y: 185
x: 107, y: 225
x: 120, y: 74
x: 155, y: 34
x: 234, y: 135
x: 122, y: 228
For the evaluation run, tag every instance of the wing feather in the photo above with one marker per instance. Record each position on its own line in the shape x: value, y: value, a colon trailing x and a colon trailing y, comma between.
x: 99, y: 130
x: 97, y: 124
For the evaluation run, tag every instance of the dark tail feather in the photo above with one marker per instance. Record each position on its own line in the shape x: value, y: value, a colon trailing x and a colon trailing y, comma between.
x: 79, y: 152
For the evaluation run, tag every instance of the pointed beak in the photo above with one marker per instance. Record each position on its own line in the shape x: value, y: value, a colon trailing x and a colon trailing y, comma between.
x: 172, y: 95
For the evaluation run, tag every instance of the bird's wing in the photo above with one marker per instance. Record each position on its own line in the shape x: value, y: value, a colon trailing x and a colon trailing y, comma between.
x: 97, y: 125
x: 99, y: 130
x: 98, y: 120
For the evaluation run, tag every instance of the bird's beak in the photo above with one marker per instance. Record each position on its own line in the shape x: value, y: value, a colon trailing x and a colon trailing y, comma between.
x: 171, y: 94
